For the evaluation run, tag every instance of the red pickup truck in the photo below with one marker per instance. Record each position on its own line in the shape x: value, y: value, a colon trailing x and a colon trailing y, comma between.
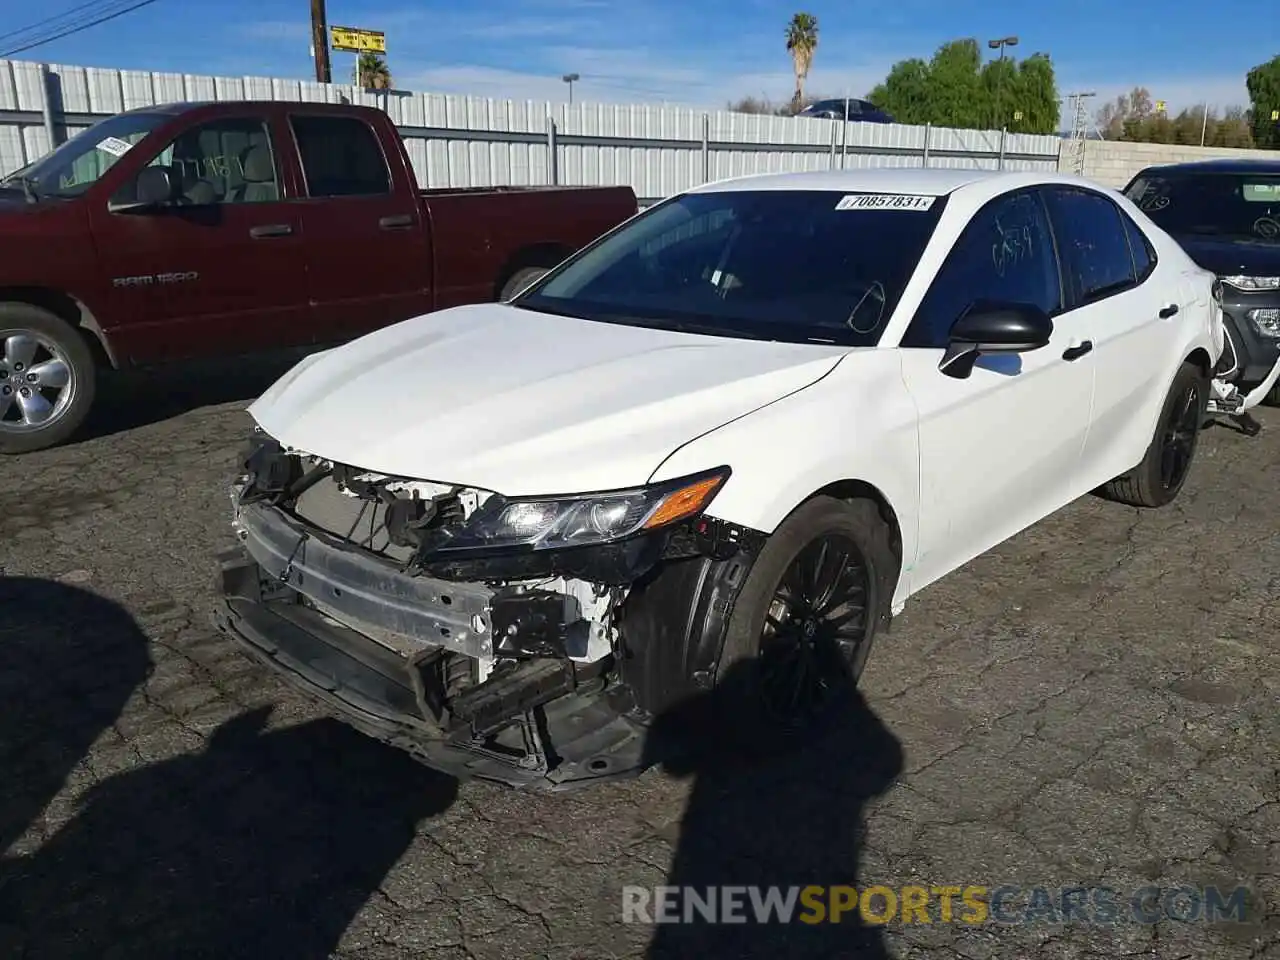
x: 194, y: 230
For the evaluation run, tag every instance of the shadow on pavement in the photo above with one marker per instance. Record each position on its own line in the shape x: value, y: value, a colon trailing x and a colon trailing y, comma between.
x: 768, y: 813
x: 135, y: 398
x: 69, y: 659
x: 263, y: 844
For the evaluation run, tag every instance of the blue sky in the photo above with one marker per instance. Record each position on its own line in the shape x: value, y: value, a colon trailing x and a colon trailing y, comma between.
x: 702, y: 53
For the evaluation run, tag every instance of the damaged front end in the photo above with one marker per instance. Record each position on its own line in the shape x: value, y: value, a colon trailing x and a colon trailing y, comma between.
x: 480, y: 633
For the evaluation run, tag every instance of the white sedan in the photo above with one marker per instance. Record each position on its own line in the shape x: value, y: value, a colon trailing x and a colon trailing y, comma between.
x: 744, y: 427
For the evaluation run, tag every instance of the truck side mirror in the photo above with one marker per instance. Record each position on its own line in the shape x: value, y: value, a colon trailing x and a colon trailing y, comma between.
x: 156, y: 187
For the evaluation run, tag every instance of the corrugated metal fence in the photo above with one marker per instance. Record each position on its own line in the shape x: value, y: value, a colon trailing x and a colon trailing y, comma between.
x: 460, y: 141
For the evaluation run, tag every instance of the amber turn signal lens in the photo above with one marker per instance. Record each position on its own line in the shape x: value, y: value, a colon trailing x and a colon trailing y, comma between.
x: 684, y: 502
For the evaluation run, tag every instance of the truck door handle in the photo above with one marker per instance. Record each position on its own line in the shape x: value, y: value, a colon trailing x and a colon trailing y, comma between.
x: 271, y: 230
x: 1168, y: 311
x: 1075, y: 353
x: 398, y: 222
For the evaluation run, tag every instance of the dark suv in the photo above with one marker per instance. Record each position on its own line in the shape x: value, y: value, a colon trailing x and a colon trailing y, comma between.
x: 1226, y: 215
x: 860, y: 111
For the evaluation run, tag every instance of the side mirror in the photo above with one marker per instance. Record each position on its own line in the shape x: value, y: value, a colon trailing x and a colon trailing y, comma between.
x: 994, y: 328
x: 156, y: 187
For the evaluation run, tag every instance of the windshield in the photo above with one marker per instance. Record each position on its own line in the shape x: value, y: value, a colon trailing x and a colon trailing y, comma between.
x: 799, y: 266
x: 76, y: 165
x: 1230, y: 206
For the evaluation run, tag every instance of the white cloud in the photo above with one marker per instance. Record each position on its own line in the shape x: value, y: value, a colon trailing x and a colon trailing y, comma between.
x: 271, y: 30
x: 637, y: 76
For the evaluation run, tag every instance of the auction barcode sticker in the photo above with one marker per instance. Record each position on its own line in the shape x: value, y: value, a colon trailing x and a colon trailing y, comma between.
x: 885, y: 201
x: 115, y: 146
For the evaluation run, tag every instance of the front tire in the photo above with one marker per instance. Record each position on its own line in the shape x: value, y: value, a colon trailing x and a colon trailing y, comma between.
x: 1157, y: 480
x: 817, y: 596
x: 47, y: 379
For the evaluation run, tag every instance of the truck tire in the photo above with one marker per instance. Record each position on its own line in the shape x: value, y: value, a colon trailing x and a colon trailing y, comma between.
x: 1157, y: 480
x: 801, y: 604
x: 47, y: 379
x: 519, y: 280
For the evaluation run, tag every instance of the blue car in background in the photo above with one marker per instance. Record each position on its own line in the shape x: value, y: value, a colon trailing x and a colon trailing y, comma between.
x: 860, y: 111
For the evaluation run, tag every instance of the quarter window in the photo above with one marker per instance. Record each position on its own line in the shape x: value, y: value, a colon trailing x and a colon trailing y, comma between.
x: 1144, y: 257
x: 1004, y: 255
x: 341, y: 157
x: 1095, y: 247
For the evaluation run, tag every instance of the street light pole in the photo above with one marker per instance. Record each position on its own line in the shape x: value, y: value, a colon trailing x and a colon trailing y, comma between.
x: 1000, y: 44
x: 570, y: 78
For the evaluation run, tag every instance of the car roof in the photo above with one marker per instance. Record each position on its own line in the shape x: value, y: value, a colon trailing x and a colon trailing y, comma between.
x: 929, y: 181
x: 1221, y: 165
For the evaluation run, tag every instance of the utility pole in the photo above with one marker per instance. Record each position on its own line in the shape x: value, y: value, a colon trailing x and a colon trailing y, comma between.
x: 320, y: 42
x: 1079, y: 127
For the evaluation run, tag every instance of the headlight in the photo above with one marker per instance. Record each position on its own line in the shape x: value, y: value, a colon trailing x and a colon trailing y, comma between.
x: 1253, y: 283
x: 546, y: 523
x: 1266, y: 321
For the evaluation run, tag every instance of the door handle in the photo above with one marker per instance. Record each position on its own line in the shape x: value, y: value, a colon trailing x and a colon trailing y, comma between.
x: 398, y: 222
x: 271, y: 230
x: 1168, y: 311
x: 1075, y: 353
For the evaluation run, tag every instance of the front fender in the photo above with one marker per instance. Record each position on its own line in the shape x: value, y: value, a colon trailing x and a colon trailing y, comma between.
x: 858, y: 424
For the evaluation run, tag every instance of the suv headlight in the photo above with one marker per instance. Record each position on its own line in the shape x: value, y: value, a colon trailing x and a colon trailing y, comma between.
x: 544, y: 523
x: 1253, y: 283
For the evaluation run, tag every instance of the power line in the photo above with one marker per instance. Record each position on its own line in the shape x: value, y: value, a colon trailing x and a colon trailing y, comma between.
x: 32, y: 27
x: 67, y: 30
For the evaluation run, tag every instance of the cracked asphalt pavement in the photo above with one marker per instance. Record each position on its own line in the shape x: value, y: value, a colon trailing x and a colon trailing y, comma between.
x: 1095, y: 703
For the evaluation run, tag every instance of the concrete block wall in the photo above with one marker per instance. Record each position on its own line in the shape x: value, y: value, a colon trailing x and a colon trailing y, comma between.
x: 1114, y: 163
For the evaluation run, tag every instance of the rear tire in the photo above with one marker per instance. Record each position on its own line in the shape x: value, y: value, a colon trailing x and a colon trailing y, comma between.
x: 36, y: 343
x: 1158, y: 479
x: 769, y: 632
x: 520, y: 280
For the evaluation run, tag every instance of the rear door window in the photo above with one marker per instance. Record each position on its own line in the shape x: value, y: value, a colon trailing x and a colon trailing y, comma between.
x: 1093, y: 243
x: 341, y: 157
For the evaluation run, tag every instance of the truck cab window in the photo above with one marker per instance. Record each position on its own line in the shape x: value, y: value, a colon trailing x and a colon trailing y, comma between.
x: 223, y: 161
x: 341, y: 157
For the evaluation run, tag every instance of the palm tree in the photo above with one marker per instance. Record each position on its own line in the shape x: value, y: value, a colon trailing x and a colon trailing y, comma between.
x: 372, y: 72
x: 802, y: 43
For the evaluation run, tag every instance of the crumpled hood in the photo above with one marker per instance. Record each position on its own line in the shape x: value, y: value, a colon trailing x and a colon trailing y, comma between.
x: 506, y: 399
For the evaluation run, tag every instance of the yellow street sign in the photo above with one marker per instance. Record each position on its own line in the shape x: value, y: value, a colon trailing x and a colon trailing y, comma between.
x: 354, y: 40
x: 1160, y: 106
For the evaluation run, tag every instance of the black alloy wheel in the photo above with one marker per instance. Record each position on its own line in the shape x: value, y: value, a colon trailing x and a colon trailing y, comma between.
x: 1178, y: 444
x: 815, y: 627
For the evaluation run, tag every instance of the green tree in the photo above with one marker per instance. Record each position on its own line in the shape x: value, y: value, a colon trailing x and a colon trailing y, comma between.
x: 1263, y: 83
x: 1037, y: 97
x: 802, y: 44
x: 372, y: 72
x: 955, y: 89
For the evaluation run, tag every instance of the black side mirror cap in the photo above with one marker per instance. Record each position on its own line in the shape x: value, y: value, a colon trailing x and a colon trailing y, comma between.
x: 994, y: 328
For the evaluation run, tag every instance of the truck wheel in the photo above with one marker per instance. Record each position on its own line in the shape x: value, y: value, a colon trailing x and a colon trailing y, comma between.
x: 47, y: 379
x: 1157, y: 480
x: 817, y: 596
x: 519, y: 280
